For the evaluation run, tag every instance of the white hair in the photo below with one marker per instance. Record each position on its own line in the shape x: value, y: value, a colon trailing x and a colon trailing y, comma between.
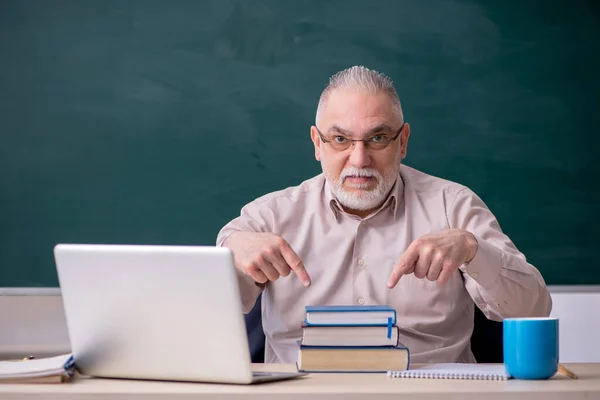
x: 362, y: 79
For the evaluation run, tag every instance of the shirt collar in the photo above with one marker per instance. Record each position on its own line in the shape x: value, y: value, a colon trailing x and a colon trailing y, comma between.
x: 393, y: 201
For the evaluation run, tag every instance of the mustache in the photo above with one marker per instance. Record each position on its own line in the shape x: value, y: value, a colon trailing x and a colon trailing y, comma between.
x: 360, y: 172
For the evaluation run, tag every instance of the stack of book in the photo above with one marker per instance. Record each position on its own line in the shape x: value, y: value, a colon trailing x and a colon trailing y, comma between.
x: 351, y: 339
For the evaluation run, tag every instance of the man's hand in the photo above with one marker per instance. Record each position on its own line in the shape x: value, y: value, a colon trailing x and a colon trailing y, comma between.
x: 435, y: 256
x: 265, y: 256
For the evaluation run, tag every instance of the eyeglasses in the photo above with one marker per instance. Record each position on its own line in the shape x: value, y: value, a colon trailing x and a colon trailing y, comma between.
x: 375, y: 142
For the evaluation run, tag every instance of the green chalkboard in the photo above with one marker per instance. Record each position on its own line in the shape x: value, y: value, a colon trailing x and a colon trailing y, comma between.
x: 153, y: 122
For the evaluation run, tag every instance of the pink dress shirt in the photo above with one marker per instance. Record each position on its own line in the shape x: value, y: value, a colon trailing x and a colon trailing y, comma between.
x: 349, y: 260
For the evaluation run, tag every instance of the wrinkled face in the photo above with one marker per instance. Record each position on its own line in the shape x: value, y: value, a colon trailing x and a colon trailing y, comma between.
x: 360, y: 174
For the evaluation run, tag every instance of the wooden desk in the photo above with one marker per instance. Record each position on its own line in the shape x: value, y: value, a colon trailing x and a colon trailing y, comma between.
x: 321, y: 386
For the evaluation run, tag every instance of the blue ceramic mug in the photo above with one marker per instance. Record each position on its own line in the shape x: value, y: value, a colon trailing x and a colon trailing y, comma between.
x: 531, y: 347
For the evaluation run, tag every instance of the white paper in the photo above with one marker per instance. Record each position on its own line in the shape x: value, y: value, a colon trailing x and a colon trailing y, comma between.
x: 34, y: 368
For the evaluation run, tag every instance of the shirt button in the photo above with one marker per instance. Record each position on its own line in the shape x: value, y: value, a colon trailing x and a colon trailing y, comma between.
x: 360, y: 301
x: 361, y: 262
x: 473, y: 274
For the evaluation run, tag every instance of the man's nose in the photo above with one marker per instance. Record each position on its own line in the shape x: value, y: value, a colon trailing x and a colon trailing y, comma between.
x: 359, y: 156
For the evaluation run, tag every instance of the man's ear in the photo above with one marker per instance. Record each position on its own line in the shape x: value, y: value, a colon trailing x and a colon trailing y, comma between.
x: 314, y: 135
x: 404, y: 140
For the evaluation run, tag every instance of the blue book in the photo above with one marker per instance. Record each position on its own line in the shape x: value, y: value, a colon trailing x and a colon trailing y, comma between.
x: 350, y: 315
x: 351, y: 336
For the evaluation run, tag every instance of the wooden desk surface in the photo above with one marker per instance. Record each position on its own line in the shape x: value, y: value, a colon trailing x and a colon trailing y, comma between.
x: 321, y: 386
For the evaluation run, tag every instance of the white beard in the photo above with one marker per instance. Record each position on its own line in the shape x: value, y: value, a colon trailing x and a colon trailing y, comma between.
x: 365, y: 199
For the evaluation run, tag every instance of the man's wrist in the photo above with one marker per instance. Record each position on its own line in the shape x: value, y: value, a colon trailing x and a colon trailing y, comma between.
x: 472, y: 246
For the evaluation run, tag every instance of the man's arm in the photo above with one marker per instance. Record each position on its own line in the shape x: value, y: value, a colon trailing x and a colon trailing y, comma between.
x: 253, y: 218
x: 499, y: 279
x: 259, y: 254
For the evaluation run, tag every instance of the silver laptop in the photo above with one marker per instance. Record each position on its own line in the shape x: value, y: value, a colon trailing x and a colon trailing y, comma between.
x: 156, y: 312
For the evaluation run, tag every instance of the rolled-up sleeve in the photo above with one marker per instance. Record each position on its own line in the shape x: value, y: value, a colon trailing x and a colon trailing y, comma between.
x: 254, y: 217
x: 499, y: 279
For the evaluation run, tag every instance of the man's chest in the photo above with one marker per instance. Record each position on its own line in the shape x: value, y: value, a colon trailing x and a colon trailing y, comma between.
x: 349, y: 262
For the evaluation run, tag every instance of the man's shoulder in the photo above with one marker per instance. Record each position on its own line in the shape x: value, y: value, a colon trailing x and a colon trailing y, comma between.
x: 424, y: 183
x: 305, y: 190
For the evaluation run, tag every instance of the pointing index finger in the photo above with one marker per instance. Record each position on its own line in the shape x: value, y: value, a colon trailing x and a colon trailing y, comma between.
x: 295, y: 264
x: 405, y: 266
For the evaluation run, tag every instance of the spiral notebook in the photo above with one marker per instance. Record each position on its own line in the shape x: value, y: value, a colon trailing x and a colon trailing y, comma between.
x: 42, y: 370
x: 490, y: 372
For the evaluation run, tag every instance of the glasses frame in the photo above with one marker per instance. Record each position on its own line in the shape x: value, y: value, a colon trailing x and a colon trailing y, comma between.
x: 365, y: 141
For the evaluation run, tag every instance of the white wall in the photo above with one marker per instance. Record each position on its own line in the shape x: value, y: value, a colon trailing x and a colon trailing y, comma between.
x: 32, y: 322
x: 579, y: 323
